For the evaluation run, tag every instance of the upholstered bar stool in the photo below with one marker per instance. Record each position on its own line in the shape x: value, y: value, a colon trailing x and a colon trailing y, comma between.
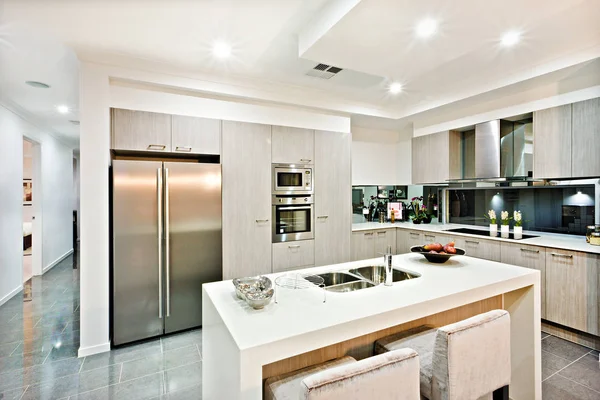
x: 389, y: 376
x: 467, y: 360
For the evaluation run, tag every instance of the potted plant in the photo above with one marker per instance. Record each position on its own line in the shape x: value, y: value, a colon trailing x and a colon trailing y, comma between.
x: 419, y: 211
x: 518, y: 217
x: 504, y: 228
x: 491, y: 215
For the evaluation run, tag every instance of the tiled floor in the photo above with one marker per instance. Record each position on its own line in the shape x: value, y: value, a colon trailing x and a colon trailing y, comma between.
x: 39, y: 340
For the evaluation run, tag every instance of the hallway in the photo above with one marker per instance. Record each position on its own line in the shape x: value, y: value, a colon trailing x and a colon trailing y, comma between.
x: 39, y: 339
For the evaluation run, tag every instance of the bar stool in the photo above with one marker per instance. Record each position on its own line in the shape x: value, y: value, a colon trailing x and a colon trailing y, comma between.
x: 390, y: 376
x: 467, y: 360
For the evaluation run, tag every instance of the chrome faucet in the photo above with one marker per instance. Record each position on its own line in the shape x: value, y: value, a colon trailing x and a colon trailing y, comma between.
x: 387, y: 262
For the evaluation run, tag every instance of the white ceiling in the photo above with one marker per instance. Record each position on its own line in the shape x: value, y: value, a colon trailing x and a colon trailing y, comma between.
x: 373, y: 40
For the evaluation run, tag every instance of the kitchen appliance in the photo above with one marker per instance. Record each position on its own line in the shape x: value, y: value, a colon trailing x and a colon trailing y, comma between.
x: 166, y: 224
x: 293, y: 218
x: 292, y: 179
x: 485, y: 233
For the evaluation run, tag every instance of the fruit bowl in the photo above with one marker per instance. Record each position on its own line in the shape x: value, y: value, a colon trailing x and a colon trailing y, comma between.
x: 436, y: 257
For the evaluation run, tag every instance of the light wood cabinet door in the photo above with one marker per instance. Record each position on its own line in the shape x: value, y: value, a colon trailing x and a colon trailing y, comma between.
x: 572, y: 280
x: 196, y: 135
x: 475, y: 247
x: 333, y: 189
x: 552, y: 144
x: 385, y: 238
x: 414, y: 238
x: 246, y: 168
x: 420, y: 155
x: 447, y: 165
x: 293, y: 145
x: 363, y: 245
x: 402, y: 241
x: 293, y: 255
x: 140, y: 130
x: 586, y: 138
x: 529, y: 257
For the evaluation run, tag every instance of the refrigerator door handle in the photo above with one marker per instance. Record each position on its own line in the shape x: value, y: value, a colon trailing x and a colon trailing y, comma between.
x: 167, y: 240
x: 159, y: 184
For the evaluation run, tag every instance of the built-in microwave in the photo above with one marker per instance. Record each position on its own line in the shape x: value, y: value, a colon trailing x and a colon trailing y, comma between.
x: 292, y: 179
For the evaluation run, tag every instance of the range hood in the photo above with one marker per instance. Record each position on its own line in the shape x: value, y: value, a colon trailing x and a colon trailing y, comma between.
x: 497, y: 151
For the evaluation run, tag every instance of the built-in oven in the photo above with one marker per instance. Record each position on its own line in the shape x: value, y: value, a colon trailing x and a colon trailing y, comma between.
x: 292, y: 179
x: 292, y: 218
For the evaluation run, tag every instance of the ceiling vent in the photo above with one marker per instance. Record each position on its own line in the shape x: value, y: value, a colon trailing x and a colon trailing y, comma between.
x: 323, y: 71
x: 74, y: 122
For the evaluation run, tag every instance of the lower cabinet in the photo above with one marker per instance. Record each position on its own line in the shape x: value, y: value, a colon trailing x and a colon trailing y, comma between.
x: 572, y: 289
x: 293, y: 255
x: 529, y: 257
x: 372, y: 244
x: 385, y: 238
x: 478, y: 248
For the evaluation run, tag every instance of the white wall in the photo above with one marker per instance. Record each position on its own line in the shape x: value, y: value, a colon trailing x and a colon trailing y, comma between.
x: 55, y: 202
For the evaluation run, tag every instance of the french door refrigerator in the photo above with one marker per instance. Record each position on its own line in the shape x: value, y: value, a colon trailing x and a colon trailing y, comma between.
x: 166, y: 244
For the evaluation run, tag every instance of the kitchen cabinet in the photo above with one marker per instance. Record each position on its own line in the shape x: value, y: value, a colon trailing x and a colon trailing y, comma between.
x: 552, y: 144
x: 140, y: 130
x: 293, y: 255
x: 196, y: 135
x: 333, y: 189
x: 532, y: 257
x: 475, y: 247
x: 436, y: 157
x: 572, y: 280
x: 293, y: 145
x: 406, y: 238
x: 246, y: 169
x: 363, y: 245
x: 385, y: 238
x: 586, y: 138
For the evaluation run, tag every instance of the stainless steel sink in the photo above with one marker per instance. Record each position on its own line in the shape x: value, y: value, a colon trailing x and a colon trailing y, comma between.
x: 350, y: 286
x: 376, y: 274
x: 337, y: 278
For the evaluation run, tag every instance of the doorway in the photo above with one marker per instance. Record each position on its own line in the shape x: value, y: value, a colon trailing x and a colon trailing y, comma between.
x: 32, y: 215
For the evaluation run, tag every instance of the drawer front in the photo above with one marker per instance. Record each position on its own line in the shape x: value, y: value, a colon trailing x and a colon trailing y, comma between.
x: 383, y: 239
x: 485, y: 249
x: 415, y: 238
x: 293, y: 255
x: 363, y: 245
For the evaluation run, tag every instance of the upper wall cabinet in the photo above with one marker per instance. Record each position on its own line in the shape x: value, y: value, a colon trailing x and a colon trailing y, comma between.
x: 140, y: 130
x: 293, y: 145
x: 552, y: 142
x: 436, y: 157
x: 196, y: 135
x: 586, y: 138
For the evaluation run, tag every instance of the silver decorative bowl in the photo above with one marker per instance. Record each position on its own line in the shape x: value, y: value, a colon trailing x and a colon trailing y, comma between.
x: 252, y: 284
x: 258, y: 300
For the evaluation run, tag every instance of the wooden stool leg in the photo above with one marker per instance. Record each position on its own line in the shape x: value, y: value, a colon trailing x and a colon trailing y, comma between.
x: 500, y: 394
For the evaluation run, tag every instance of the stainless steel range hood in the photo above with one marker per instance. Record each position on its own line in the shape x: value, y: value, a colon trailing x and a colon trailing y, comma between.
x: 497, y: 151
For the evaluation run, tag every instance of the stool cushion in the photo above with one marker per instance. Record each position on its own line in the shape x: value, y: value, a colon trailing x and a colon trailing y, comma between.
x: 288, y: 386
x: 422, y: 340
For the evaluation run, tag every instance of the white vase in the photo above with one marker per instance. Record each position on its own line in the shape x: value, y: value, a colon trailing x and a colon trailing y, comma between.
x: 493, y: 230
x: 504, y: 230
x: 518, y: 232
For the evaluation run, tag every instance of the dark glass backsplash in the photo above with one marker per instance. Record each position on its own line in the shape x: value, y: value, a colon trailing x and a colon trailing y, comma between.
x: 556, y: 209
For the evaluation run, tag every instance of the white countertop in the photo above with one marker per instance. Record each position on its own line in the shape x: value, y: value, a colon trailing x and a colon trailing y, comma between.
x: 458, y: 281
x: 558, y: 241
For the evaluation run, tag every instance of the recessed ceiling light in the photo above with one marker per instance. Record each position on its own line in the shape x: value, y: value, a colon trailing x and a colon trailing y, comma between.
x: 511, y: 38
x: 427, y: 27
x: 221, y: 50
x: 395, y: 88
x: 38, y: 85
x: 62, y: 109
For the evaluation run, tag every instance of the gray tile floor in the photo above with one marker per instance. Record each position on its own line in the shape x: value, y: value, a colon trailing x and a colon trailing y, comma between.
x: 39, y: 340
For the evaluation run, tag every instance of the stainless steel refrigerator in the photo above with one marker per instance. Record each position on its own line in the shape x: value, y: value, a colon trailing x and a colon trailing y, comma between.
x: 166, y: 244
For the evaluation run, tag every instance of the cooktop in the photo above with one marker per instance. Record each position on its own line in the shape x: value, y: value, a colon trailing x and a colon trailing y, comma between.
x: 486, y: 233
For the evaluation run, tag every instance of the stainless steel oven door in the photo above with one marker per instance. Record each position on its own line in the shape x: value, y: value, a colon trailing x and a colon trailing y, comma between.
x: 288, y: 180
x: 292, y: 222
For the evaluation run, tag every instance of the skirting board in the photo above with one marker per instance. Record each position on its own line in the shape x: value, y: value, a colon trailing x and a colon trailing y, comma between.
x: 11, y: 294
x: 55, y: 262
x: 88, y: 351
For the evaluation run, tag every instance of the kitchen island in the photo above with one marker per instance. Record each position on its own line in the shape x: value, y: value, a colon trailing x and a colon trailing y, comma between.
x: 242, y: 346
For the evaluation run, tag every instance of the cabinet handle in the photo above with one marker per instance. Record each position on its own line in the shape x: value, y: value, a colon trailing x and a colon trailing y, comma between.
x: 305, y: 160
x: 262, y: 220
x: 156, y: 147
x: 414, y: 234
x: 187, y: 149
x: 381, y: 233
x: 297, y: 246
x: 562, y: 255
x: 431, y: 236
x: 323, y: 217
x: 472, y: 241
x: 369, y: 234
x: 530, y: 251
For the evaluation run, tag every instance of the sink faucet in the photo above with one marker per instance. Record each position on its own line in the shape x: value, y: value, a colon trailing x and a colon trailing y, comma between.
x: 387, y: 260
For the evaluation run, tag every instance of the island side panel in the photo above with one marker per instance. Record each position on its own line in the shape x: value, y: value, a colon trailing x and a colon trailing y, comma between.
x: 220, y: 356
x: 524, y: 306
